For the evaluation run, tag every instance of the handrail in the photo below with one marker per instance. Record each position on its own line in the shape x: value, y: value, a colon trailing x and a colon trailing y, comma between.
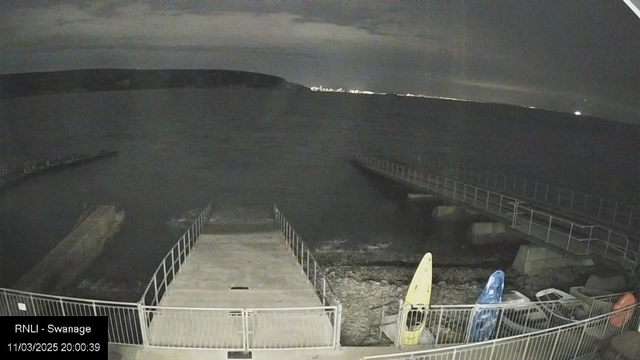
x: 68, y: 298
x: 492, y: 343
x: 130, y: 323
x: 555, y: 230
x: 301, y: 251
x: 623, y: 214
x: 191, y: 235
x: 509, y: 305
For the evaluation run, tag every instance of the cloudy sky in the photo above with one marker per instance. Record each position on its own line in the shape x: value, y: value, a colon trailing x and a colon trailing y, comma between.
x: 561, y: 54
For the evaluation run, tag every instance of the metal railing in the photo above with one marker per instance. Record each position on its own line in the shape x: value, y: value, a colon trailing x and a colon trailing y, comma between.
x: 314, y: 273
x: 245, y: 328
x: 307, y: 261
x: 125, y: 324
x: 570, y: 236
x: 566, y: 342
x: 610, y: 212
x: 172, y: 262
x: 452, y: 324
x: 149, y: 325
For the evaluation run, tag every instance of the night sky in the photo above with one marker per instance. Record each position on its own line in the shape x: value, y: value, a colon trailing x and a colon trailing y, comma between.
x: 561, y: 54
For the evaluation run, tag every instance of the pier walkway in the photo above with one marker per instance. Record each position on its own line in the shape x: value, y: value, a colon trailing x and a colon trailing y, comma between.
x: 526, y: 217
x: 243, y: 287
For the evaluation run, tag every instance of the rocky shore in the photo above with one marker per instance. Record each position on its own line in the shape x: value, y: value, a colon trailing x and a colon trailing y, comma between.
x: 374, y: 278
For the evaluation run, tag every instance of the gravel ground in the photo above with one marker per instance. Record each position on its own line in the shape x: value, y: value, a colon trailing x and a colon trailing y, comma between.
x: 362, y: 285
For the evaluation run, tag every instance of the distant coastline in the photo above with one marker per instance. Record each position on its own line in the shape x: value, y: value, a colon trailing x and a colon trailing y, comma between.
x: 92, y: 80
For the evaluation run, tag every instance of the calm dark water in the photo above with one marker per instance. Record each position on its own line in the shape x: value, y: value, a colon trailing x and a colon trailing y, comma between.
x: 248, y: 149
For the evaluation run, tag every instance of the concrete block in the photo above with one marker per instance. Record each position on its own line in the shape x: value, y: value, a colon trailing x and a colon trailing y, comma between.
x: 451, y: 212
x: 531, y: 260
x: 613, y: 283
x: 74, y: 253
x: 490, y: 233
x: 420, y: 197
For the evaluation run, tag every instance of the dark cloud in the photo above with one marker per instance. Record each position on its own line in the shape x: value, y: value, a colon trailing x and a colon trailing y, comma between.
x: 539, y: 53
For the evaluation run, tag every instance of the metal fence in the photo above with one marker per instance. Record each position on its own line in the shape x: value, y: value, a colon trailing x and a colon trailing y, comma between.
x: 125, y: 325
x: 570, y: 236
x: 172, y: 262
x: 147, y: 324
x: 315, y: 275
x: 608, y: 211
x: 308, y: 263
x: 242, y: 328
x: 452, y: 324
x: 566, y: 342
x: 127, y: 321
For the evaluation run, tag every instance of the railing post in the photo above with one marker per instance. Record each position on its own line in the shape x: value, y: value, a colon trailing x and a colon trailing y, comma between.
x: 464, y: 193
x: 33, y: 306
x: 164, y: 268
x: 62, y: 307
x: 555, y: 345
x: 546, y: 195
x: 571, y: 205
x: 486, y: 207
x: 584, y: 330
x: 400, y: 324
x: 142, y: 317
x: 95, y: 311
x: 475, y: 198
x: 315, y: 275
x: 300, y: 254
x: 608, y: 241
x: 439, y: 325
x: 324, y: 290
x: 615, y: 210
x: 245, y: 329
x: 308, y: 271
x: 155, y: 287
x: 338, y: 326
x: 179, y: 257
x: 530, y: 221
x: 570, y: 232
x: 600, y: 208
x: 514, y: 221
x: 549, y: 229
x: 173, y: 261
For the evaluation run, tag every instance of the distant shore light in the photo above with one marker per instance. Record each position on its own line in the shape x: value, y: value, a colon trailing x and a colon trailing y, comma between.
x: 577, y: 113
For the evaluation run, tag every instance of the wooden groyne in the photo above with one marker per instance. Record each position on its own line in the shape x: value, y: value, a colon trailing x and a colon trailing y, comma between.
x: 11, y: 175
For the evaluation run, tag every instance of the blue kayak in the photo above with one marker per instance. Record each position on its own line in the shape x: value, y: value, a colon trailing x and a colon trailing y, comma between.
x: 484, y: 320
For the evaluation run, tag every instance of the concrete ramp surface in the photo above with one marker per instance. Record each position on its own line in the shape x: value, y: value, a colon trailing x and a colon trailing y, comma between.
x: 236, y: 287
